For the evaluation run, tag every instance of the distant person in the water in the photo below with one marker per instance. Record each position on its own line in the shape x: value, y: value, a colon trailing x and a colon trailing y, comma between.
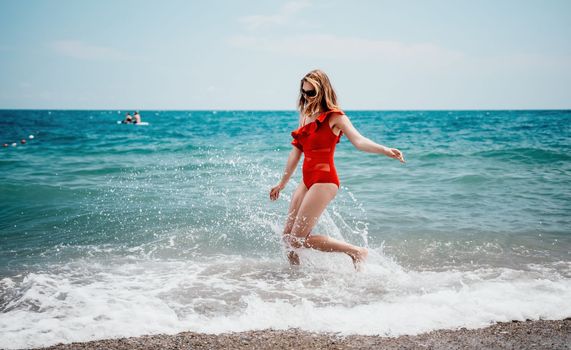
x: 321, y: 125
x: 137, y: 117
x: 128, y: 118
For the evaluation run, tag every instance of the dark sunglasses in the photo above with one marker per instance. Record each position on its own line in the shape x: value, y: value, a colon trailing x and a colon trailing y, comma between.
x: 309, y: 93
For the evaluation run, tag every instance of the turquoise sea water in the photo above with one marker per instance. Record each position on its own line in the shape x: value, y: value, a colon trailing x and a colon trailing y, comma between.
x: 171, y: 223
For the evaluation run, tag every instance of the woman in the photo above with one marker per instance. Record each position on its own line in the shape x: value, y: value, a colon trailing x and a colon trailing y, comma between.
x: 321, y: 126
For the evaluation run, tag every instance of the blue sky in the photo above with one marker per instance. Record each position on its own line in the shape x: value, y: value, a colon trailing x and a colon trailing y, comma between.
x: 214, y: 54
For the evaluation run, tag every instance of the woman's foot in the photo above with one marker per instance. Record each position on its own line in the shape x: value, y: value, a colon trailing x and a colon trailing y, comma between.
x: 293, y: 258
x: 359, y: 257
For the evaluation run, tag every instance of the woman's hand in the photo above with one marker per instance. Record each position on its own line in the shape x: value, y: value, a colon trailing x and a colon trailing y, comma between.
x: 396, y: 154
x: 275, y: 192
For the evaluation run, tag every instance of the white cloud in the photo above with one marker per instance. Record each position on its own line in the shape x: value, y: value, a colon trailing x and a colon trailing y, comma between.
x: 286, y: 12
x: 84, y: 51
x: 349, y: 48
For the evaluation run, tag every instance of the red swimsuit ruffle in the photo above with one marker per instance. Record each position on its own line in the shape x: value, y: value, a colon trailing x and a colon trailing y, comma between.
x: 317, y: 142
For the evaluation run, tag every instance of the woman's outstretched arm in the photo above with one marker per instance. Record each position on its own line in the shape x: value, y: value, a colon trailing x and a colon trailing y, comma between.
x: 291, y: 165
x: 362, y: 143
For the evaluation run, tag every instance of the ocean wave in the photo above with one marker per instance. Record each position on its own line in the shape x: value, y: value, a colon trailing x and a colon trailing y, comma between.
x: 468, y: 179
x: 227, y: 293
x: 532, y: 155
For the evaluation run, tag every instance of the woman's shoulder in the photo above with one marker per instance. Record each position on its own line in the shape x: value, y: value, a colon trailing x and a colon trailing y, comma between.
x: 336, y: 114
x: 329, y: 112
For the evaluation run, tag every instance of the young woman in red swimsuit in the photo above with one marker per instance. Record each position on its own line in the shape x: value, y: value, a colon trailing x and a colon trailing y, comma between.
x: 321, y: 126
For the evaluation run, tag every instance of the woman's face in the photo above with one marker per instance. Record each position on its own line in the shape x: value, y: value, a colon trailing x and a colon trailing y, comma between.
x: 308, y: 90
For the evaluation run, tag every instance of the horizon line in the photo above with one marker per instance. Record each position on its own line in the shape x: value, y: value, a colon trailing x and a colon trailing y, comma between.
x: 281, y: 110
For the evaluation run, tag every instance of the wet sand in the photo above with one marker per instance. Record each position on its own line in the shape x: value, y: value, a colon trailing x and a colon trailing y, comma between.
x: 509, y: 335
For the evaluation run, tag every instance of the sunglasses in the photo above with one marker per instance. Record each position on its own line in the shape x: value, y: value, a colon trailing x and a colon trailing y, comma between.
x: 309, y: 93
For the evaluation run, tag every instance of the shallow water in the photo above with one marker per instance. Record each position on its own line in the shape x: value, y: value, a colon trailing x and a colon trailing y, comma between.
x: 170, y: 224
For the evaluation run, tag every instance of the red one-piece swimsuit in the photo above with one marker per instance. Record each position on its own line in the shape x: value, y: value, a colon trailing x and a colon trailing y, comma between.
x: 317, y: 142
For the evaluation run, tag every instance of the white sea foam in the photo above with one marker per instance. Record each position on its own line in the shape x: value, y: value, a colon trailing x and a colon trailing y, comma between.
x: 85, y: 300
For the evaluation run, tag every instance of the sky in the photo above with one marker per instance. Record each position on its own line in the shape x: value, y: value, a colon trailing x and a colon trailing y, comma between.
x: 226, y: 55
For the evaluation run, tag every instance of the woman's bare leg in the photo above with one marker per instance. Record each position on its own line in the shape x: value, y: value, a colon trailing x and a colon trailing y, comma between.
x: 328, y: 244
x: 312, y: 206
x: 294, y: 205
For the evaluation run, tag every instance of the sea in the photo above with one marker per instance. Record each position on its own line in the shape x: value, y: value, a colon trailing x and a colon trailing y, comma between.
x: 112, y: 230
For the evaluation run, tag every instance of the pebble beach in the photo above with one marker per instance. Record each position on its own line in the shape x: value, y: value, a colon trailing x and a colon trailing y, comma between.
x: 540, y: 334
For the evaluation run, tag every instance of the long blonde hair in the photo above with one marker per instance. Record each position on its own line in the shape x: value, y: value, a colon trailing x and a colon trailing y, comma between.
x: 325, y: 100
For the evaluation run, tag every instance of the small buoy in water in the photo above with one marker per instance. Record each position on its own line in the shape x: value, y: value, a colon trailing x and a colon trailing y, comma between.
x: 23, y: 141
x: 14, y: 144
x: 31, y: 137
x: 5, y: 145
